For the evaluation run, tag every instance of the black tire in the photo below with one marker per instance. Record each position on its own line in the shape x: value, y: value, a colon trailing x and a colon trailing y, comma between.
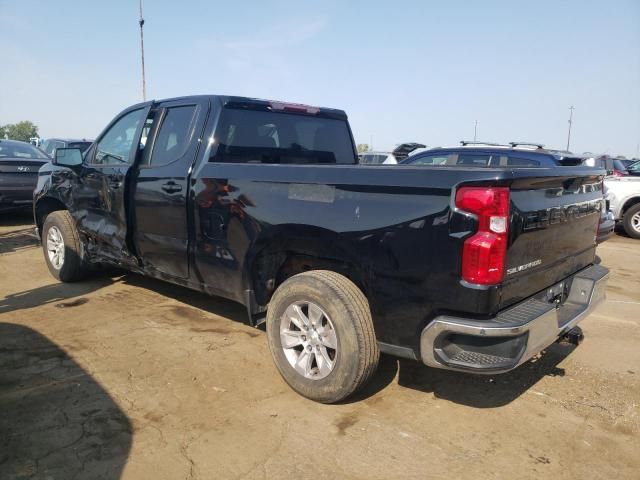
x: 356, y: 356
x: 627, y: 221
x: 73, y: 267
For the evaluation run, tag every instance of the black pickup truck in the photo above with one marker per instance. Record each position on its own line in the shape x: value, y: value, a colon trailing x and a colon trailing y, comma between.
x: 468, y: 268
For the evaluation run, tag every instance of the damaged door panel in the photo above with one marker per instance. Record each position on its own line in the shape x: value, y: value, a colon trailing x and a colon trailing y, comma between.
x: 99, y: 202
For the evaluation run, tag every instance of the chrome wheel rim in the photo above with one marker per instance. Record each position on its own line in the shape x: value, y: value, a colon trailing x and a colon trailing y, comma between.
x: 635, y: 221
x: 308, y: 340
x: 55, y: 247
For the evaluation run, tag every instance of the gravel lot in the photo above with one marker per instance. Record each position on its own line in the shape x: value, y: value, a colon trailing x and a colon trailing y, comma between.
x: 127, y: 377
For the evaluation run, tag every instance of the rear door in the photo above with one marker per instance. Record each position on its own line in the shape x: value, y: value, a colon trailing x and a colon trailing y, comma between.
x: 99, y: 198
x: 161, y: 234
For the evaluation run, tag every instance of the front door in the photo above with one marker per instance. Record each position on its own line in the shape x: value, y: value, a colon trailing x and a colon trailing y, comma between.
x: 99, y: 198
x: 161, y: 214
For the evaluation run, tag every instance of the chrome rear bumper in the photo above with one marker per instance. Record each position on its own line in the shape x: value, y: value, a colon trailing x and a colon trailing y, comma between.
x: 516, y: 334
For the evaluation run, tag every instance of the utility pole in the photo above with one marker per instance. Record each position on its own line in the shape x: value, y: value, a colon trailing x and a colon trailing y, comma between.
x: 570, y: 122
x: 144, y: 83
x: 475, y: 131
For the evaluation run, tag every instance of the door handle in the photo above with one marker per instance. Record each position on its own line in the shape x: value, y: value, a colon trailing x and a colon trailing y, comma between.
x: 171, y: 187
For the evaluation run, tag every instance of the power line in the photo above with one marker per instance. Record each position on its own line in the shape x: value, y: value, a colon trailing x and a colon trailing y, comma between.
x: 144, y: 83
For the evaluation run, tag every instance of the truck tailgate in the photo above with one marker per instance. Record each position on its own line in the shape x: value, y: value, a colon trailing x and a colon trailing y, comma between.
x: 553, y: 227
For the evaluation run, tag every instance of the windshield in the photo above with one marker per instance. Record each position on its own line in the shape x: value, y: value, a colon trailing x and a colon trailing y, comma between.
x: 250, y: 136
x: 20, y: 150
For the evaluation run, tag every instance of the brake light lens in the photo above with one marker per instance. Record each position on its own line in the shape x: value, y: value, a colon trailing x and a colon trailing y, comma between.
x: 483, y: 254
x: 294, y: 107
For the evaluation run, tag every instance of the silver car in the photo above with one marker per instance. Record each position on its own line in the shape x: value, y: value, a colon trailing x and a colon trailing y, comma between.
x: 623, y: 194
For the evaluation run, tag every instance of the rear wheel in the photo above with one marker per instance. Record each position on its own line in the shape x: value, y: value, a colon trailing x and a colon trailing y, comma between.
x: 631, y: 221
x: 321, y: 335
x: 62, y: 247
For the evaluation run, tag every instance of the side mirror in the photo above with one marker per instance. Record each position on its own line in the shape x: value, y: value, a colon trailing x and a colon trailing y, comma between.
x: 68, y: 157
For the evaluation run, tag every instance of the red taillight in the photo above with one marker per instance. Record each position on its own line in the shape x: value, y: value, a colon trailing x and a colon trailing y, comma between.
x: 618, y: 173
x: 484, y: 252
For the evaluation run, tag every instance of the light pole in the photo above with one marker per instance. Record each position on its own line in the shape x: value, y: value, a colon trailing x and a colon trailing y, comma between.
x: 570, y: 122
x: 144, y: 83
x: 475, y: 131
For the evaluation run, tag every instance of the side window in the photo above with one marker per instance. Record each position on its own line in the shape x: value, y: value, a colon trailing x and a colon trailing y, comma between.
x: 174, y: 135
x: 114, y: 148
x: 473, y: 160
x: 438, y: 159
x: 522, y: 162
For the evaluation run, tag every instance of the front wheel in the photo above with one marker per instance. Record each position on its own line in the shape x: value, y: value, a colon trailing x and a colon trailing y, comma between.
x: 321, y: 335
x: 631, y: 221
x: 62, y: 247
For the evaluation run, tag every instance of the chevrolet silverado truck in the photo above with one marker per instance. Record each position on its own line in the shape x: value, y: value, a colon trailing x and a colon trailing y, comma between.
x: 463, y: 267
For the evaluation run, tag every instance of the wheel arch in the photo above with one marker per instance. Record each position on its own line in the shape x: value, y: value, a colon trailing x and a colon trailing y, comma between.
x: 285, y: 250
x: 628, y: 203
x: 43, y: 207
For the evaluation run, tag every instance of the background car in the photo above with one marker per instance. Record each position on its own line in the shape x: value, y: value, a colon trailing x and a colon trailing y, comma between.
x: 634, y: 169
x: 19, y: 165
x: 403, y: 150
x: 613, y: 166
x: 373, y: 158
x: 481, y: 154
x: 52, y: 144
x: 628, y: 162
x: 623, y: 194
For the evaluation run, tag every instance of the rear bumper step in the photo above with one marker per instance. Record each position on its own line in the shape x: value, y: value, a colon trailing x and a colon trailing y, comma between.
x: 516, y: 334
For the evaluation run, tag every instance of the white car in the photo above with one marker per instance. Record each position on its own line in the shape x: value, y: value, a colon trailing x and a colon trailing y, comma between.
x: 376, y: 158
x: 623, y: 194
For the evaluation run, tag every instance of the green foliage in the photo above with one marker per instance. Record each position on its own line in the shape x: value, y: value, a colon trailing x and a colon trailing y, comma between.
x: 363, y: 147
x: 22, y: 131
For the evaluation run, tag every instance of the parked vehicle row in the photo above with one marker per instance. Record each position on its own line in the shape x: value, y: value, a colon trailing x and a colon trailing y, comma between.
x: 19, y: 165
x: 475, y: 268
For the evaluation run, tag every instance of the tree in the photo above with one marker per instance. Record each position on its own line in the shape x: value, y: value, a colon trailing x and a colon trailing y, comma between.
x: 363, y: 147
x: 22, y: 131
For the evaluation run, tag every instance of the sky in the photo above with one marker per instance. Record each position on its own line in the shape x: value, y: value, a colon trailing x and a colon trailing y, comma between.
x: 404, y: 71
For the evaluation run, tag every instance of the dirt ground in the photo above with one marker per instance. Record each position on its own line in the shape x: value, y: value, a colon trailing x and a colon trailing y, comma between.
x: 126, y: 377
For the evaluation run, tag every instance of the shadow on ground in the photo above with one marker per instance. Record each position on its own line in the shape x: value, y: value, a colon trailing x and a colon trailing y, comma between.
x: 483, y: 391
x: 16, y: 240
x: 478, y: 391
x: 13, y: 218
x: 55, y: 292
x: 56, y: 420
x: 212, y: 304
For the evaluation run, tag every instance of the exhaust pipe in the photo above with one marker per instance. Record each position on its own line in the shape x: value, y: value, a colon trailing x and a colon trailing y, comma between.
x: 573, y: 336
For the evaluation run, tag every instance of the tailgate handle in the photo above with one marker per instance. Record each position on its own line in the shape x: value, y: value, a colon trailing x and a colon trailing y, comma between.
x: 171, y: 187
